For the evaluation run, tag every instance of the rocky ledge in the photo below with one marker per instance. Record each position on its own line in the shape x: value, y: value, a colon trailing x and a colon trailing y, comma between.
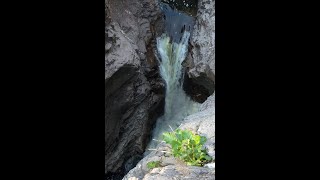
x: 202, y: 123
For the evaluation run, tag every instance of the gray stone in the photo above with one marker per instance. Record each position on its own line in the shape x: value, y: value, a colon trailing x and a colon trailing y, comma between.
x: 134, y: 96
x: 201, y: 62
x: 210, y: 165
x: 203, y: 123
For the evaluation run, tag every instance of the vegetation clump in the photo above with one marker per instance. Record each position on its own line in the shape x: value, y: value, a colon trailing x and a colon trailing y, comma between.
x: 187, y: 146
x: 153, y: 164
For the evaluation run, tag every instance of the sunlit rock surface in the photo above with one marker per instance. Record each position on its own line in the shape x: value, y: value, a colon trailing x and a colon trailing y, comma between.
x: 202, y: 123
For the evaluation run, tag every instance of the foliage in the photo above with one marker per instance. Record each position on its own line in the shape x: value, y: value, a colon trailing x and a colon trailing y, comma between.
x: 187, y: 146
x: 153, y: 164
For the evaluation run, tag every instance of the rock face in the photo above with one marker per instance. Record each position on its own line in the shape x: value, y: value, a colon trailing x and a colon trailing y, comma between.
x: 200, y: 66
x: 202, y: 123
x: 201, y: 60
x: 134, y: 90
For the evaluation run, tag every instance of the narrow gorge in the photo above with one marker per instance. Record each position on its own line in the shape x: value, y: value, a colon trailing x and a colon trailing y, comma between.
x: 159, y: 74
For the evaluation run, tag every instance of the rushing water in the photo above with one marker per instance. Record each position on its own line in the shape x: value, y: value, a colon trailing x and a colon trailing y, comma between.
x: 177, y: 104
x: 176, y: 22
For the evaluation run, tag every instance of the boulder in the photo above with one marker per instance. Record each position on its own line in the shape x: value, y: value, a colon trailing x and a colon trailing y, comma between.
x: 134, y: 90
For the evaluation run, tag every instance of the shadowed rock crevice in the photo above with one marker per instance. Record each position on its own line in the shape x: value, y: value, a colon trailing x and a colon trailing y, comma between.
x: 199, y: 88
x: 134, y: 90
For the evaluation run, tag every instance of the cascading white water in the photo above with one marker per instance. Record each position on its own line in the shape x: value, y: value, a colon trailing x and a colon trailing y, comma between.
x: 177, y: 104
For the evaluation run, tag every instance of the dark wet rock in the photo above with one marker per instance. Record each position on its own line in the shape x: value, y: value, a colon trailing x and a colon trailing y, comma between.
x: 196, y: 91
x: 134, y: 90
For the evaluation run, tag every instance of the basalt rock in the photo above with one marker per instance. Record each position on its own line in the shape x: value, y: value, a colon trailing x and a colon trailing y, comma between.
x: 134, y: 90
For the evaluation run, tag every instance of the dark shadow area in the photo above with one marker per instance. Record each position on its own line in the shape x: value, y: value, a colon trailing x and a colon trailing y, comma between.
x: 199, y: 89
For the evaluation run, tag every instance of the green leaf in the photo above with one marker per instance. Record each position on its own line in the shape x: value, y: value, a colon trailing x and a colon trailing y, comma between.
x: 197, y: 139
x: 208, y: 157
x: 168, y: 137
x: 203, y: 140
x: 153, y: 164
x: 176, y: 146
x: 187, y: 146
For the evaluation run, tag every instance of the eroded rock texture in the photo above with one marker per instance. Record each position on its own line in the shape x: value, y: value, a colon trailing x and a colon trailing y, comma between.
x: 134, y: 90
x: 201, y: 60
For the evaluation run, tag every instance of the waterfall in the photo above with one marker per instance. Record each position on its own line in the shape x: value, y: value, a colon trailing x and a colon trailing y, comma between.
x: 177, y: 104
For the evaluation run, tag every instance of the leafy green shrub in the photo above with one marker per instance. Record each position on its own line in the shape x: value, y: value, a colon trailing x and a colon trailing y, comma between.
x: 153, y: 164
x: 187, y: 146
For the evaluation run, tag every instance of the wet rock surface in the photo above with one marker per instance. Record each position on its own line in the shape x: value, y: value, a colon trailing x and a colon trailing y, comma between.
x: 200, y: 64
x: 134, y: 90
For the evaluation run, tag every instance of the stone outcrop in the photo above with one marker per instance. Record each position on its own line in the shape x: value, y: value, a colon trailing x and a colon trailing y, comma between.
x: 202, y: 123
x: 134, y: 90
x: 201, y: 60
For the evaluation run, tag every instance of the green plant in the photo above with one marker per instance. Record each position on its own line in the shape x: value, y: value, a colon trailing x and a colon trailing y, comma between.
x: 187, y: 146
x: 153, y: 164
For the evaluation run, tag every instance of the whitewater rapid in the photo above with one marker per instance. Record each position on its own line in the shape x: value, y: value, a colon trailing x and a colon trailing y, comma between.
x: 177, y: 104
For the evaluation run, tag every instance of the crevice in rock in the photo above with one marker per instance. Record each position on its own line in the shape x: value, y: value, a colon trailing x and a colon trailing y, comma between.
x: 199, y: 88
x: 134, y: 94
